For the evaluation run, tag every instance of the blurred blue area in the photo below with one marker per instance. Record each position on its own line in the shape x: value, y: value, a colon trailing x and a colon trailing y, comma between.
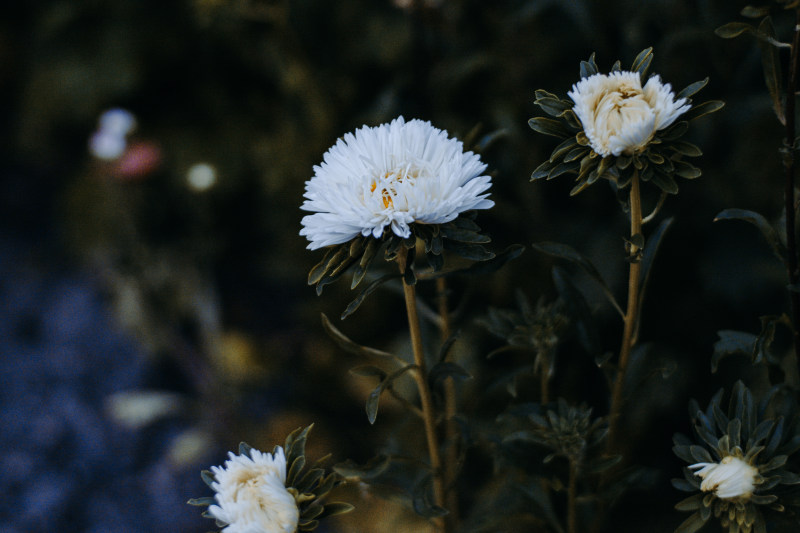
x: 65, y: 465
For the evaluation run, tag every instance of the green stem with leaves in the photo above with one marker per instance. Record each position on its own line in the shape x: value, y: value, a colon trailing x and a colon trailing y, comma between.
x: 426, y: 399
x: 631, y: 315
x: 789, y: 195
x: 451, y: 428
x: 572, y: 498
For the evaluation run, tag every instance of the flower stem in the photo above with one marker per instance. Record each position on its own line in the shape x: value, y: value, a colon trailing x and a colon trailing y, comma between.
x: 631, y: 316
x: 789, y: 196
x: 420, y: 376
x: 451, y: 428
x: 572, y: 498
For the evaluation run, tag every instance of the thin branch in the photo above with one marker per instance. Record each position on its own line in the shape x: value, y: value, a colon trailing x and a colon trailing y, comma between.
x: 631, y: 316
x: 789, y: 196
x: 426, y: 400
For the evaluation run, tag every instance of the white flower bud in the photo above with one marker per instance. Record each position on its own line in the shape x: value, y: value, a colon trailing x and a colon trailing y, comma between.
x: 619, y: 116
x: 730, y: 478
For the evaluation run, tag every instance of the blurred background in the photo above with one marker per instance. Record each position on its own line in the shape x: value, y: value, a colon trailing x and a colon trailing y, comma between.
x: 153, y: 302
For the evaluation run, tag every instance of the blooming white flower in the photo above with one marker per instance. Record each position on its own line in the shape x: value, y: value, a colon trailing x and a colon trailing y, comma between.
x: 730, y: 478
x: 251, y: 494
x: 393, y: 175
x: 619, y: 116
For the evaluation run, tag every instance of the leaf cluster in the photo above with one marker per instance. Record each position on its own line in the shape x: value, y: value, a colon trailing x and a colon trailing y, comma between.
x: 567, y: 431
x: 746, y: 431
x: 528, y: 328
x: 659, y: 162
x: 769, y: 45
x: 461, y: 236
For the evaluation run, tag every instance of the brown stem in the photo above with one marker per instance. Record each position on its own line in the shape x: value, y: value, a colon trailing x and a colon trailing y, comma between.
x: 451, y: 428
x: 420, y: 376
x: 572, y: 498
x: 791, y: 239
x: 631, y: 316
x: 544, y: 383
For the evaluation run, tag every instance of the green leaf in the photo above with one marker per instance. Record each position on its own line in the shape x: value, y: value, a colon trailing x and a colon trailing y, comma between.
x: 542, y: 171
x: 588, y: 68
x: 685, y: 148
x: 451, y: 231
x: 348, y: 345
x: 368, y: 371
x: 568, y: 253
x: 447, y: 369
x: 485, y: 267
x: 706, y: 108
x: 674, y: 132
x: 734, y: 29
x: 553, y: 106
x: 767, y: 230
x: 421, y: 499
x: 208, y: 477
x: 687, y: 170
x: 473, y: 252
x: 563, y: 148
x: 772, y: 68
x: 754, y: 12
x: 369, y: 289
x: 692, y: 503
x: 649, y: 254
x: 375, y: 395
x: 691, y: 89
x: 730, y: 343
x: 206, y: 500
x: 642, y: 61
x: 665, y: 182
x: 336, y: 508
x: 371, y: 469
x: 548, y: 126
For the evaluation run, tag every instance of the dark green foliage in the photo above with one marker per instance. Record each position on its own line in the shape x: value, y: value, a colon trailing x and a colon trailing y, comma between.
x: 759, y: 433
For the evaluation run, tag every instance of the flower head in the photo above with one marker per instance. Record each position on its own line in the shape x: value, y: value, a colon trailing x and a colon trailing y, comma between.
x: 728, y: 479
x: 740, y: 468
x: 619, y: 116
x: 614, y: 127
x: 393, y: 175
x: 251, y: 494
x: 254, y: 493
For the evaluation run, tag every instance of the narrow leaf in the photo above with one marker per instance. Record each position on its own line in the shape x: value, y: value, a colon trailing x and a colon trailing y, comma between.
x: 757, y: 220
x: 733, y: 29
x: 371, y: 469
x: 642, y: 61
x: 691, y: 89
x: 772, y: 68
x: 564, y: 251
x: 649, y: 254
x: 548, y: 126
x: 348, y: 345
x: 732, y: 342
x: 369, y: 289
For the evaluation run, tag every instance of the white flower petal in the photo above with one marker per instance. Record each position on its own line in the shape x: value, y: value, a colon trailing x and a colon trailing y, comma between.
x: 730, y: 478
x: 251, y: 494
x: 618, y: 115
x: 393, y: 175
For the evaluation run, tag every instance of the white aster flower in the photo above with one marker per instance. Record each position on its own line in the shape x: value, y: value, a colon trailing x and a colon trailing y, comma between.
x: 251, y: 494
x: 730, y: 478
x: 395, y: 175
x: 619, y: 116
